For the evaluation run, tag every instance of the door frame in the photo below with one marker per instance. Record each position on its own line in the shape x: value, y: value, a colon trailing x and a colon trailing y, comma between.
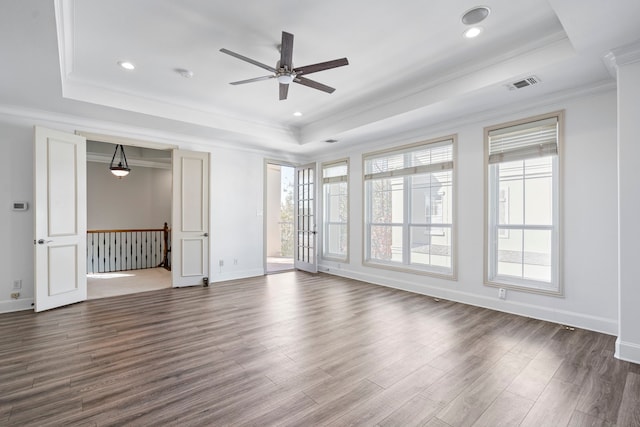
x: 266, y: 164
x: 118, y: 139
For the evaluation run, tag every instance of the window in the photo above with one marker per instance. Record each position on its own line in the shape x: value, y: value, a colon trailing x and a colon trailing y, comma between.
x: 409, y: 221
x: 523, y: 204
x: 335, y: 189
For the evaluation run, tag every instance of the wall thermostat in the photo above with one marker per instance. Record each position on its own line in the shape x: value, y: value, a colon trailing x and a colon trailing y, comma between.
x: 20, y: 206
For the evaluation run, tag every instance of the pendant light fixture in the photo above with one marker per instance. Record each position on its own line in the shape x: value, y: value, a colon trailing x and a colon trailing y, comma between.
x: 122, y: 168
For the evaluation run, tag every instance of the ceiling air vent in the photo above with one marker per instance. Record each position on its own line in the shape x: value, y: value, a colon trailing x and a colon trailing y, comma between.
x: 531, y: 80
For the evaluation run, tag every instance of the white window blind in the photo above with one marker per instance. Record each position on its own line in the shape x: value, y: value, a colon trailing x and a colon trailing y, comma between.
x: 411, y: 161
x: 335, y: 172
x: 525, y: 141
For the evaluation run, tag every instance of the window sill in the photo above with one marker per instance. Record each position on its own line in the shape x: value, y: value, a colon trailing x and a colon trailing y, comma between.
x: 526, y: 286
x: 411, y: 270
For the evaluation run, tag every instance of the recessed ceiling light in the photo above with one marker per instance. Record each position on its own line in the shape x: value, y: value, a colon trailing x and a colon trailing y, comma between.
x: 472, y: 32
x: 187, y: 74
x: 475, y: 15
x: 126, y: 65
x: 297, y: 114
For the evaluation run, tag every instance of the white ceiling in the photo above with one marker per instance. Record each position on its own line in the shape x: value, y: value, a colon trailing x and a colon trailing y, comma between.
x: 409, y: 66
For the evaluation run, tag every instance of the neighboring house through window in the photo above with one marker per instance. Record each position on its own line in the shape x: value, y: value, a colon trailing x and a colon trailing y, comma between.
x: 409, y: 208
x: 335, y: 190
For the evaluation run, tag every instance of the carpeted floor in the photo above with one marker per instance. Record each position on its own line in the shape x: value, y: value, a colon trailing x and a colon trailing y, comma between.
x: 101, y: 285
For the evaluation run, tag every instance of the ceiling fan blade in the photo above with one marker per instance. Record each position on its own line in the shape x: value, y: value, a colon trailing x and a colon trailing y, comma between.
x: 314, y: 84
x: 284, y: 90
x: 308, y: 69
x: 249, y: 60
x: 286, y: 51
x: 256, y: 79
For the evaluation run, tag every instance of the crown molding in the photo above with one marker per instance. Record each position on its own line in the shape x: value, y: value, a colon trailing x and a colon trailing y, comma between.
x: 367, y: 143
x: 118, y: 131
x: 623, y: 55
x: 106, y: 159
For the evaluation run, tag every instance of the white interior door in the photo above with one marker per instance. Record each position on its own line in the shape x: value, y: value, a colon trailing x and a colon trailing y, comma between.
x: 60, y: 209
x: 190, y: 217
x: 305, y: 219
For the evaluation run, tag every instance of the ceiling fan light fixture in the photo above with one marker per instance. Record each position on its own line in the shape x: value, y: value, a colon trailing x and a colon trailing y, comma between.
x: 286, y: 78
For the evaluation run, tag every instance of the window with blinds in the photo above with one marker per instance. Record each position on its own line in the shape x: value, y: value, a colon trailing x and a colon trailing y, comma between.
x: 335, y: 190
x: 524, y: 141
x: 522, y: 227
x: 409, y: 209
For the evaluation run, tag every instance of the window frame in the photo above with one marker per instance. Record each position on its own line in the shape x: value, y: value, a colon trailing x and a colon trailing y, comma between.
x: 491, y: 213
x: 407, y: 224
x: 325, y: 255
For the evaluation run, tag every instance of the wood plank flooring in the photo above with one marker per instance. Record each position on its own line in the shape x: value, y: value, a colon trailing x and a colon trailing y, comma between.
x: 295, y: 349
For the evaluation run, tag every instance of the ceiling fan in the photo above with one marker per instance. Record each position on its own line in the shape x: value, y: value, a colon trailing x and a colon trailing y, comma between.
x: 284, y: 70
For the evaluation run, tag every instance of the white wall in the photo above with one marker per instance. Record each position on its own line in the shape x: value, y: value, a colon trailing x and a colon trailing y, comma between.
x: 142, y: 199
x: 590, y: 221
x: 628, y: 343
x: 16, y: 228
x: 235, y: 221
x: 590, y: 215
x: 236, y: 214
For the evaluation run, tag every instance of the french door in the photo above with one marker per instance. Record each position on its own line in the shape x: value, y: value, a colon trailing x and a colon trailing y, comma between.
x: 305, y: 257
x: 60, y: 218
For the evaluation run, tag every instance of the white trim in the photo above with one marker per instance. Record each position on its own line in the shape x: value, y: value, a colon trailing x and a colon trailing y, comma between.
x: 547, y: 101
x: 115, y: 139
x: 105, y: 158
x: 627, y: 351
x: 9, y: 306
x: 235, y: 275
x: 563, y: 317
x: 265, y: 166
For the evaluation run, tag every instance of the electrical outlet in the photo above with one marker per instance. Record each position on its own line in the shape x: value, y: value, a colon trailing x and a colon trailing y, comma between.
x: 17, y: 284
x: 502, y: 293
x: 15, y: 295
x: 235, y: 261
x: 221, y: 263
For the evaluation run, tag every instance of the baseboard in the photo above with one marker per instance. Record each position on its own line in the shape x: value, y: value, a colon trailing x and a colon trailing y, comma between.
x: 563, y: 317
x: 627, y: 351
x: 234, y: 275
x: 16, y: 305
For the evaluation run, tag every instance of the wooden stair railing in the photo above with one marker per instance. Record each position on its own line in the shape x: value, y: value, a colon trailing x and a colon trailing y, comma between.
x: 128, y: 249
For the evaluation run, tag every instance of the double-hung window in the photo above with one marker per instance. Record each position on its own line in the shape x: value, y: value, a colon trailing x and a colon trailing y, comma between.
x: 335, y: 189
x: 409, y: 208
x: 522, y: 227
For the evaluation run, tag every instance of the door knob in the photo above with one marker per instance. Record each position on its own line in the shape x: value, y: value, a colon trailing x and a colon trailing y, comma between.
x: 42, y: 241
x: 206, y: 234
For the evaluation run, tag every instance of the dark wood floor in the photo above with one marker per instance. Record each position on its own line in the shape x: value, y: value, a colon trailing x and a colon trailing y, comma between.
x: 303, y: 350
